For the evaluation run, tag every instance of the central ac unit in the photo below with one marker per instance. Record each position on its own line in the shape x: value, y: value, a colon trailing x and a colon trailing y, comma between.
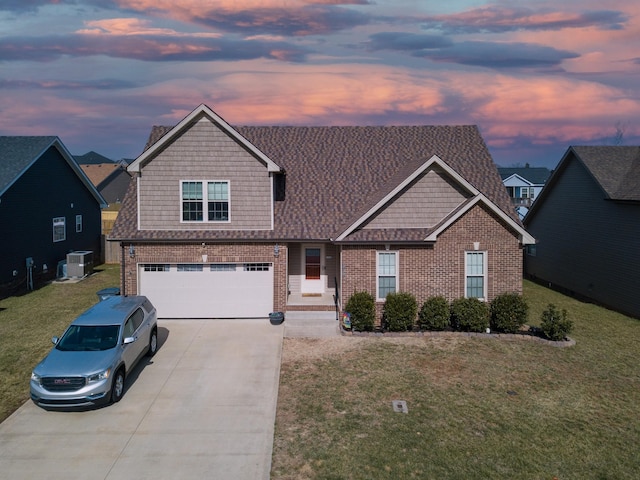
x: 79, y: 264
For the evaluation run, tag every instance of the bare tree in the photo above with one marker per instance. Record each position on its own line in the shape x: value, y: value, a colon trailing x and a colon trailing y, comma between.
x: 618, y: 138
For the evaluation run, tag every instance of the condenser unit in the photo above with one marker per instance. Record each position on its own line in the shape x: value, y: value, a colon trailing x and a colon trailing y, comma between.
x: 79, y: 263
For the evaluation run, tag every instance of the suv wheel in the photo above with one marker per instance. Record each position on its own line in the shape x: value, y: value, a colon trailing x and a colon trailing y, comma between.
x: 153, y: 343
x: 117, y: 389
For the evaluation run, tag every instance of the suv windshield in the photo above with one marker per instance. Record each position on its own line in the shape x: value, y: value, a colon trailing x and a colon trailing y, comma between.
x: 81, y: 338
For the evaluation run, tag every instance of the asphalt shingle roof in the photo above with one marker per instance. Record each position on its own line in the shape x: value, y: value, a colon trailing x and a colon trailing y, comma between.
x: 615, y: 168
x: 334, y: 175
x: 17, y: 154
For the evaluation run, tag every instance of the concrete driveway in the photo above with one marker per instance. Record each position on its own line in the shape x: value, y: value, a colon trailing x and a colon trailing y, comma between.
x: 203, y: 407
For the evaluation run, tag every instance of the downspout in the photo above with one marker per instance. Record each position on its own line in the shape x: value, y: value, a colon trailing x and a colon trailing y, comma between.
x: 123, y: 291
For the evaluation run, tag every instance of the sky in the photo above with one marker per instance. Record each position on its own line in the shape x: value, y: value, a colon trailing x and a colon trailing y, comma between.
x: 536, y: 76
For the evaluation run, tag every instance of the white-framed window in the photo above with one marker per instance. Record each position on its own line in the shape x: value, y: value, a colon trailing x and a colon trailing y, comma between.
x: 475, y: 274
x: 78, y: 223
x: 59, y: 229
x: 198, y: 197
x: 387, y: 274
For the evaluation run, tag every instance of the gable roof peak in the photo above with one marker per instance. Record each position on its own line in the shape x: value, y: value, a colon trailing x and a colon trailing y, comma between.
x: 201, y: 111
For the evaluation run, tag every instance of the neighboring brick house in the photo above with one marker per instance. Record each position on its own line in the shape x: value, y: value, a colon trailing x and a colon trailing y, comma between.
x: 224, y: 221
x: 587, y: 223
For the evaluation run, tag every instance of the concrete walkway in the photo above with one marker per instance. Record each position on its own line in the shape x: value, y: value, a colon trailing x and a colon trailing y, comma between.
x: 310, y: 324
x: 203, y: 407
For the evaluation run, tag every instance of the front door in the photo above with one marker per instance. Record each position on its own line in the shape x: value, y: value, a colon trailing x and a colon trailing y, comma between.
x: 313, y: 278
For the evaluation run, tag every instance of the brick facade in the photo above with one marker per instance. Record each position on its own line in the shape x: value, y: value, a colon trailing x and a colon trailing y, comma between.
x: 439, y: 269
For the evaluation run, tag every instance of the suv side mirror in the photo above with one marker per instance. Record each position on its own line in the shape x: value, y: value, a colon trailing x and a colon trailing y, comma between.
x: 54, y: 340
x: 128, y: 340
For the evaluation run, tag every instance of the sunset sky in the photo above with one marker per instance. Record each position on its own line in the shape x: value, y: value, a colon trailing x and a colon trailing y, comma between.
x: 536, y: 76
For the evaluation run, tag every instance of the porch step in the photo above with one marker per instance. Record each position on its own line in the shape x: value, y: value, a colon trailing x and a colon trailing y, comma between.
x: 310, y: 324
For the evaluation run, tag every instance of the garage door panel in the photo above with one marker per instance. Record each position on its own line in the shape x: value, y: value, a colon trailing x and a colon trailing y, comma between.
x: 209, y: 293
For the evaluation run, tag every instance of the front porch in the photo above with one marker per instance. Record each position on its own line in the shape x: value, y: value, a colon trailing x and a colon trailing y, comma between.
x: 299, y: 302
x: 312, y: 277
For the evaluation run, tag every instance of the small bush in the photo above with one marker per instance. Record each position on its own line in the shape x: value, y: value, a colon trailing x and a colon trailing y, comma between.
x: 555, y: 324
x: 399, y: 313
x: 469, y: 315
x: 362, y: 307
x: 508, y: 312
x: 434, y: 314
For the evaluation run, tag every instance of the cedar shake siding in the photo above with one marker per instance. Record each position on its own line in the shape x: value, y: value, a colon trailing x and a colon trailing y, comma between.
x: 587, y: 223
x: 205, y: 153
x: 424, y: 204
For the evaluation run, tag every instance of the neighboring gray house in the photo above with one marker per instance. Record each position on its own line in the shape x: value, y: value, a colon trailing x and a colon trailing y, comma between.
x: 524, y: 184
x: 587, y: 225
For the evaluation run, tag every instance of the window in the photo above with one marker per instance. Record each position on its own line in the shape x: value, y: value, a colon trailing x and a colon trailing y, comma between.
x: 59, y: 229
x: 156, y: 267
x: 78, y: 223
x: 476, y: 275
x: 192, y: 201
x: 256, y: 267
x: 218, y: 201
x: 387, y: 274
x: 214, y: 193
x: 223, y: 267
x: 531, y: 250
x: 190, y: 267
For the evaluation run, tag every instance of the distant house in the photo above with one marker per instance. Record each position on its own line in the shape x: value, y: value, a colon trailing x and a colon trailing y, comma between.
x: 587, y: 224
x: 111, y: 179
x: 48, y: 208
x: 524, y: 184
x: 223, y: 221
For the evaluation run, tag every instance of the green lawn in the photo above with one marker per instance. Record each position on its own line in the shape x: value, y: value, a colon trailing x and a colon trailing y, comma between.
x: 478, y: 407
x: 28, y: 322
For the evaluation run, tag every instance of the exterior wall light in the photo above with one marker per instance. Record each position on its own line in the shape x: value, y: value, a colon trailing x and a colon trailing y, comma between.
x: 132, y: 251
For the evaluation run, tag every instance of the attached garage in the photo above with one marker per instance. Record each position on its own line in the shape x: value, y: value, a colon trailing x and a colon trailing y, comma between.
x: 217, y: 290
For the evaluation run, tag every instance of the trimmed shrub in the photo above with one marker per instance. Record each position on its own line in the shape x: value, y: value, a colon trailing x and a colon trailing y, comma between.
x: 469, y: 315
x: 555, y: 324
x: 362, y: 308
x: 434, y: 314
x: 399, y: 312
x: 508, y: 312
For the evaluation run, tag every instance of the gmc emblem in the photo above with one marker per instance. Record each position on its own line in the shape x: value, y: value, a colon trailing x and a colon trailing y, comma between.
x: 62, y: 381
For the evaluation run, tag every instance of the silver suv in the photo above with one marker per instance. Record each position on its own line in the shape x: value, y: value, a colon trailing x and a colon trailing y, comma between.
x: 90, y: 362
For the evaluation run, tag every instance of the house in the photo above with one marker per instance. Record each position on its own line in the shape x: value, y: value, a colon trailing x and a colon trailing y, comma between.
x: 48, y: 208
x: 111, y: 179
x: 524, y: 184
x: 223, y: 221
x: 587, y: 224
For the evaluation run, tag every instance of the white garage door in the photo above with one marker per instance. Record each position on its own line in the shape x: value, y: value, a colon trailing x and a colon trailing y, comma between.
x: 221, y: 290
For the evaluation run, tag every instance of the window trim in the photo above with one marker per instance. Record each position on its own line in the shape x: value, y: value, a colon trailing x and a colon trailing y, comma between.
x: 396, y: 254
x: 56, y: 224
x: 484, y: 275
x: 204, y: 201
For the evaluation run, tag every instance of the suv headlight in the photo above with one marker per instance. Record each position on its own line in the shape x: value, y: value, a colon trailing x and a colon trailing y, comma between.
x: 100, y: 376
x: 36, y: 378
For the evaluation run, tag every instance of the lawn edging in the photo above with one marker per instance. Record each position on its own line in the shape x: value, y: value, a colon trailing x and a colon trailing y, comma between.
x: 526, y: 336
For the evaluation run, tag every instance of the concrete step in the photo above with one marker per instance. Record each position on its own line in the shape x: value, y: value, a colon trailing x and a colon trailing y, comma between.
x: 310, y: 324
